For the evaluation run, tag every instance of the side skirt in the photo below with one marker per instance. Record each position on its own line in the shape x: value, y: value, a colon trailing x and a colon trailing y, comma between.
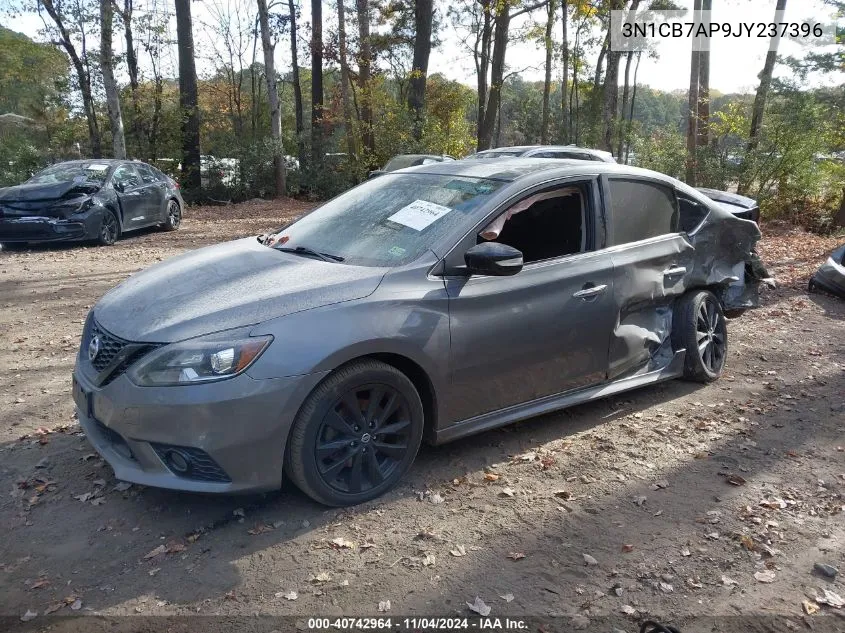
x: 515, y: 413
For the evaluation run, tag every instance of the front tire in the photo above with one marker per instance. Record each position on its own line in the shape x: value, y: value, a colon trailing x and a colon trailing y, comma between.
x: 699, y: 326
x: 109, y: 229
x: 356, y: 435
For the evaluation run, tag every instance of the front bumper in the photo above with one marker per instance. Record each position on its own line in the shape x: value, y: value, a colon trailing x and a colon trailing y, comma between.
x: 42, y: 229
x: 241, y: 425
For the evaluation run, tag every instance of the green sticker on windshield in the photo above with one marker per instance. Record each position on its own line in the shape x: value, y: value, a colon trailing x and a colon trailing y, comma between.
x: 397, y: 251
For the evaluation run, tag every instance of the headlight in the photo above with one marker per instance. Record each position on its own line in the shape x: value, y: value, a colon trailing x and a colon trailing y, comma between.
x: 205, y: 359
x: 73, y: 206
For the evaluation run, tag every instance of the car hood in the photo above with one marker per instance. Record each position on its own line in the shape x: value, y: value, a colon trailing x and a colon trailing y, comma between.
x: 229, y: 285
x: 45, y: 192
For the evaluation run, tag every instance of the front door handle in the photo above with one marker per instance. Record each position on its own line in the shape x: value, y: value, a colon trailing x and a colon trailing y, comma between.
x: 674, y: 271
x: 589, y: 293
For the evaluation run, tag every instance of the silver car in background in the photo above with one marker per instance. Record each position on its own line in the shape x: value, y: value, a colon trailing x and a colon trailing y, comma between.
x: 429, y: 303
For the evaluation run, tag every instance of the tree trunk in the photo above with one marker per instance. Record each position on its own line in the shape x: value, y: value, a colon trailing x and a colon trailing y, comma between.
x: 625, y: 93
x: 610, y: 102
x: 631, y: 116
x: 622, y: 127
x: 351, y: 145
x: 497, y: 70
x: 423, y: 16
x: 297, y: 86
x: 316, y: 83
x: 188, y: 102
x: 565, y: 124
x: 573, y: 95
x: 83, y: 77
x: 107, y: 66
x: 364, y: 63
x: 600, y: 65
x: 482, y: 63
x: 547, y: 83
x: 269, y: 46
x: 692, y: 124
x: 760, y: 98
x: 703, y: 123
x: 136, y: 128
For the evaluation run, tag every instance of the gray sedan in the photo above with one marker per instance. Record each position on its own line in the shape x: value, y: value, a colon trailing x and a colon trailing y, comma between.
x: 430, y: 303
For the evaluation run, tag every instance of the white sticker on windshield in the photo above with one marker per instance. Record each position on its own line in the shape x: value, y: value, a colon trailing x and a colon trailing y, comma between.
x: 97, y: 167
x: 419, y: 214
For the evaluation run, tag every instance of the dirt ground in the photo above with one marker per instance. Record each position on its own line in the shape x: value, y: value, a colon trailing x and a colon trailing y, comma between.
x: 674, y: 502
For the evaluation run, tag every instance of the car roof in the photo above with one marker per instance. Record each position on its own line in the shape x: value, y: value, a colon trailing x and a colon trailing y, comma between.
x: 81, y: 161
x: 515, y: 169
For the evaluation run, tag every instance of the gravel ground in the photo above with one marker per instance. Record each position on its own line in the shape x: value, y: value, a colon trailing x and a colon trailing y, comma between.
x: 675, y: 502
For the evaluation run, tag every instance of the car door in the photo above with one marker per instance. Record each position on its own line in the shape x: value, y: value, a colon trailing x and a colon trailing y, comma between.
x: 652, y: 260
x: 155, y: 193
x: 542, y: 331
x: 132, y: 195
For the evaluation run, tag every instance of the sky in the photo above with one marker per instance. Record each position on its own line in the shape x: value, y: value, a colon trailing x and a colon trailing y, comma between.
x: 734, y: 64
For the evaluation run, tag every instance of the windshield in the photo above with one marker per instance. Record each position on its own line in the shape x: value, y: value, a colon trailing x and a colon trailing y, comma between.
x: 400, y: 162
x: 390, y: 220
x: 92, y: 172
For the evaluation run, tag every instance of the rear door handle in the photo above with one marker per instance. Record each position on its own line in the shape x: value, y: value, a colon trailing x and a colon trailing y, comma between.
x: 674, y: 271
x: 590, y: 292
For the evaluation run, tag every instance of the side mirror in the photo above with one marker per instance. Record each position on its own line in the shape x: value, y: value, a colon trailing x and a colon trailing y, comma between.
x: 374, y: 174
x: 118, y: 186
x: 492, y: 258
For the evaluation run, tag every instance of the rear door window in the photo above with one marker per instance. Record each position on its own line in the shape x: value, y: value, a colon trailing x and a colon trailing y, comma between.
x: 640, y: 209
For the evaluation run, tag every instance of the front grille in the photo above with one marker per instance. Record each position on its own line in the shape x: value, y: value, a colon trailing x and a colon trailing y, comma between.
x: 201, y: 467
x: 110, y: 347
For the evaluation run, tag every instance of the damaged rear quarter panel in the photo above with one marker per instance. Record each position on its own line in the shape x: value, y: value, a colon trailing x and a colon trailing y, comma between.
x: 650, y: 275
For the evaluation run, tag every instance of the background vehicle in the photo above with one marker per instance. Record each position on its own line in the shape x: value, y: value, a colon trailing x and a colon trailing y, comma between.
x: 438, y: 301
x: 401, y: 161
x: 545, y: 151
x: 222, y: 170
x: 89, y: 200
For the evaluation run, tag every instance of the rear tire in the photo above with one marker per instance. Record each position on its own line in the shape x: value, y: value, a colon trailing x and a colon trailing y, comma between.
x: 356, y: 435
x: 699, y: 326
x: 174, y: 216
x: 109, y: 230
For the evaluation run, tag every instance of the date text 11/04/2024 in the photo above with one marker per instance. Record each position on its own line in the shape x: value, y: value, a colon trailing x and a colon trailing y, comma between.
x: 417, y: 624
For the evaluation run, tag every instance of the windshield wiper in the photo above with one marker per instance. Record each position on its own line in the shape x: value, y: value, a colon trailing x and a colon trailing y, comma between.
x: 304, y: 250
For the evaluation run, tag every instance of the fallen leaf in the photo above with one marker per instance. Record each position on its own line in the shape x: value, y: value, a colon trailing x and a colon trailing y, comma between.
x: 589, y: 560
x: 479, y: 607
x: 287, y: 595
x: 810, y: 607
x: 322, y: 577
x: 53, y: 608
x: 260, y: 528
x: 38, y: 584
x: 640, y: 500
x: 508, y: 597
x: 508, y: 492
x: 627, y: 609
x: 30, y: 615
x: 728, y: 581
x: 436, y: 498
x: 428, y: 560
x: 627, y: 549
x: 85, y: 496
x: 831, y: 599
x: 766, y: 576
x: 384, y: 605
x: 563, y: 494
x: 659, y: 485
x: 735, y: 480
x: 97, y: 501
x: 491, y: 476
x: 342, y: 543
x: 459, y: 550
x: 685, y: 552
x: 174, y: 547
x: 153, y: 572
x: 666, y: 587
x: 123, y: 486
x: 516, y: 555
x: 161, y: 549
x: 77, y: 605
